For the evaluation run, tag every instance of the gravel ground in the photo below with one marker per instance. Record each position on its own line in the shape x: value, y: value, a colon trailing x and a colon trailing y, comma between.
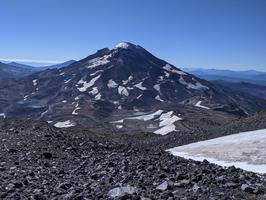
x: 39, y: 162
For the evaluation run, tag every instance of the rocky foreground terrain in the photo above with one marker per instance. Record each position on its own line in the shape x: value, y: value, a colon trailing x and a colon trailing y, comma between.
x: 38, y: 161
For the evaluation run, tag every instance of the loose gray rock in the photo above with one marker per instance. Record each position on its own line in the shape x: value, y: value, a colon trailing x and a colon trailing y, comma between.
x: 163, y: 186
x: 121, y: 191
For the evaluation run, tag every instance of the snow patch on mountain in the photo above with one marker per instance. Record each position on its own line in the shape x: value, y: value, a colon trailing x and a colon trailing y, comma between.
x: 138, y: 97
x: 112, y: 84
x: 148, y: 116
x: 64, y: 124
x: 161, y: 78
x: 96, y: 72
x: 167, y: 121
x: 43, y: 113
x: 166, y: 129
x: 198, y: 104
x: 75, y: 110
x: 158, y: 98
x: 169, y: 68
x: 34, y: 82
x: 25, y: 97
x: 122, y: 91
x: 166, y: 74
x: 130, y: 78
x: 157, y: 87
x: 2, y: 115
x: 94, y: 91
x: 98, y: 96
x: 86, y: 84
x: 99, y: 61
x: 66, y: 81
x: 139, y: 85
x: 196, y: 86
x: 142, y: 117
x: 119, y: 126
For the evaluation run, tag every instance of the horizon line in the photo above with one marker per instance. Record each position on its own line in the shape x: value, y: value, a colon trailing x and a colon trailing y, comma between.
x: 31, y: 60
x: 47, y: 62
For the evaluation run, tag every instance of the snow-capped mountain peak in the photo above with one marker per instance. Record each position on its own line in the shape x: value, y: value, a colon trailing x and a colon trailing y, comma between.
x: 124, y: 45
x: 126, y: 78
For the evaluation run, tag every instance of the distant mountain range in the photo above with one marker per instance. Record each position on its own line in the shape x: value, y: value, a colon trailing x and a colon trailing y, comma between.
x: 250, y: 76
x: 19, y: 65
x: 17, y: 70
x: 10, y: 71
x: 57, y: 66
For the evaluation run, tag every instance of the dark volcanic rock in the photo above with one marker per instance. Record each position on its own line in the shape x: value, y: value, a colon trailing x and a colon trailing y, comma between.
x: 86, y: 165
x: 47, y: 155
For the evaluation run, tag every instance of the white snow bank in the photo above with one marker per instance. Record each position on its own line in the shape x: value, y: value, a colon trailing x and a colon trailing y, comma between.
x: 158, y: 98
x: 98, y: 96
x: 3, y: 115
x: 242, y: 165
x: 139, y: 85
x: 86, y: 84
x: 169, y: 68
x: 96, y: 72
x: 94, y: 91
x: 167, y: 121
x: 130, y: 78
x: 246, y: 150
x: 75, y: 110
x: 112, y: 84
x: 66, y: 81
x: 166, y: 74
x: 198, y: 104
x: 166, y: 129
x: 147, y: 117
x: 122, y: 91
x: 25, y: 97
x: 142, y: 117
x: 119, y: 126
x: 157, y: 87
x: 64, y: 124
x: 34, y: 82
x: 99, y: 61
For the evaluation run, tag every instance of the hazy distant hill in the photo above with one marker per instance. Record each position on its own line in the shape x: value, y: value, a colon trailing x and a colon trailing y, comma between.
x: 57, y: 66
x: 250, y: 88
x: 9, y: 71
x: 17, y: 70
x: 250, y: 76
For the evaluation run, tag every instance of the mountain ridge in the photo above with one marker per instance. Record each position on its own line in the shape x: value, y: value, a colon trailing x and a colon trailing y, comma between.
x: 115, y: 84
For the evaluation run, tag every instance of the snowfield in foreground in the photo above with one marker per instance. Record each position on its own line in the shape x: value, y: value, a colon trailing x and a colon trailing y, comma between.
x: 246, y: 150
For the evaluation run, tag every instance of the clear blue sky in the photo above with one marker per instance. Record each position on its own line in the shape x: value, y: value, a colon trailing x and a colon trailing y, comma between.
x: 188, y: 33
